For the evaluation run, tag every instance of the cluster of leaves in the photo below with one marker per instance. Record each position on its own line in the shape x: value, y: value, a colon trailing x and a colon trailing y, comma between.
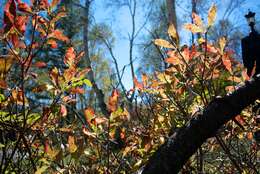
x: 55, y: 137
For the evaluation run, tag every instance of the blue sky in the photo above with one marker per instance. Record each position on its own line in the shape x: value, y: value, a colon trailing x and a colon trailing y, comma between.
x: 121, y: 25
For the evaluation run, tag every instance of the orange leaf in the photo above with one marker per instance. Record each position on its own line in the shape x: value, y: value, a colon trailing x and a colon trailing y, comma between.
x: 70, y: 56
x: 173, y: 60
x: 89, y: 114
x: 58, y: 34
x: 227, y: 62
x: 144, y: 79
x: 137, y: 84
x: 113, y: 101
x: 52, y: 43
x: 72, y: 145
x: 77, y: 90
x: 63, y: 110
x: 163, y: 43
x: 40, y: 64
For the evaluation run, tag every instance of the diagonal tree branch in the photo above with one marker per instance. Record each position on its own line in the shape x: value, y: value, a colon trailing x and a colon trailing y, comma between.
x: 172, y: 155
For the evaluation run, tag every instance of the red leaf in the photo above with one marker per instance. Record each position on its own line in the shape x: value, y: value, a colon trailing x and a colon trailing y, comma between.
x: 23, y: 7
x: 113, y: 101
x: 20, y: 23
x: 77, y: 90
x: 44, y: 4
x: 9, y: 15
x: 137, y: 84
x: 40, y: 64
x: 70, y: 56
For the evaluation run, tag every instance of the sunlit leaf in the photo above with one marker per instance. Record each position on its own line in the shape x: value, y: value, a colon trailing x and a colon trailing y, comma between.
x: 72, y: 145
x: 227, y: 62
x: 137, y: 84
x: 193, y: 28
x: 89, y: 114
x: 197, y: 20
x: 58, y: 34
x: 172, y: 31
x: 163, y: 43
x: 113, y: 100
x: 212, y: 15
x: 222, y: 44
x: 63, y: 110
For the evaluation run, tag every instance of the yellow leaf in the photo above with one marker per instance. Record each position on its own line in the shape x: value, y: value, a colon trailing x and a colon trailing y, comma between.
x: 163, y: 43
x: 201, y: 40
x: 212, y: 15
x: 222, y: 44
x: 72, y: 145
x: 193, y: 28
x: 172, y: 31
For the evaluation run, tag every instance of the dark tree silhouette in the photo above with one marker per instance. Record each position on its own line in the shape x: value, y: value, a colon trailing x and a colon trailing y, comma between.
x: 172, y: 155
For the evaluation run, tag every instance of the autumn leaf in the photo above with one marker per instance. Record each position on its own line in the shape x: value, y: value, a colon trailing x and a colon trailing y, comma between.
x: 222, y: 44
x: 89, y: 114
x: 212, y: 15
x: 227, y: 62
x: 193, y: 28
x: 77, y: 90
x: 9, y: 15
x: 40, y: 64
x: 58, y: 34
x: 70, y: 56
x: 52, y: 43
x: 197, y: 20
x: 163, y: 43
x: 3, y: 84
x: 172, y: 31
x: 54, y: 3
x: 173, y: 60
x: 137, y: 84
x: 145, y: 79
x: 44, y: 4
x: 72, y: 144
x: 113, y: 101
x: 63, y: 110
x: 234, y: 79
x: 23, y: 7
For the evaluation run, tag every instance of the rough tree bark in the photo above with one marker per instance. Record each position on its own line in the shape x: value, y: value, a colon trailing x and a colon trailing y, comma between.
x: 172, y: 155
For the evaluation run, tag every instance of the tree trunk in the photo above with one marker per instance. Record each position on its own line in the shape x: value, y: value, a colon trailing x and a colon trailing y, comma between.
x: 98, y: 92
x: 172, y: 17
x: 172, y: 155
